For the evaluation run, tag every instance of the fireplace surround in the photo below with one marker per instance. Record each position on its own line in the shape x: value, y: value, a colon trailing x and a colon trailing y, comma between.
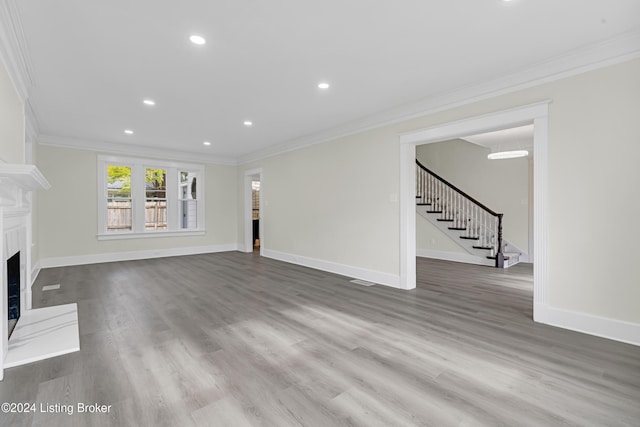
x: 17, y: 182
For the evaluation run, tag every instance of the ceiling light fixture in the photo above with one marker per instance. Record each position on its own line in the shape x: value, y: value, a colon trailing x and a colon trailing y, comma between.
x: 507, y: 154
x: 149, y: 102
x: 128, y: 131
x: 196, y: 39
x: 248, y: 123
x: 207, y: 143
x: 323, y: 85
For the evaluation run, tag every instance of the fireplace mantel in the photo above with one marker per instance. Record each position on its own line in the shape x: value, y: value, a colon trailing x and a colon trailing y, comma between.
x: 27, y: 177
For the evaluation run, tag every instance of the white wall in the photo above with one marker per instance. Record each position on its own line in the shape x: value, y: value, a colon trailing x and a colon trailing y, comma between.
x: 430, y: 238
x: 336, y: 201
x: 67, y: 213
x: 502, y: 185
x: 11, y: 120
x: 333, y: 202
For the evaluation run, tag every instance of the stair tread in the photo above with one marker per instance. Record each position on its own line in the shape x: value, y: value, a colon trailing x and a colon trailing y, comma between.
x: 423, y: 204
x: 470, y: 237
x: 482, y: 247
x: 438, y: 212
x: 457, y: 228
x: 445, y: 219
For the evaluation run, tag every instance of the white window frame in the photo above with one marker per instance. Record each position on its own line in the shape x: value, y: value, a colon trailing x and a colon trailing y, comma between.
x: 138, y: 197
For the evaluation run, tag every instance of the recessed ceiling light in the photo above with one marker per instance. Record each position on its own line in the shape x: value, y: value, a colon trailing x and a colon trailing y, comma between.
x: 248, y: 123
x: 196, y: 39
x: 507, y: 154
x: 149, y: 102
x: 128, y: 131
x: 323, y: 85
x: 207, y: 143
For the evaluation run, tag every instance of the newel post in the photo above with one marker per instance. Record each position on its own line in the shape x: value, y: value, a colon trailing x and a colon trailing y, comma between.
x: 500, y: 254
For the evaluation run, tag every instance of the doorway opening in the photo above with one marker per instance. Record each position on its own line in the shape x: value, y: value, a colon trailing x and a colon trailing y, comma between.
x: 492, y: 173
x: 253, y: 211
x: 536, y: 114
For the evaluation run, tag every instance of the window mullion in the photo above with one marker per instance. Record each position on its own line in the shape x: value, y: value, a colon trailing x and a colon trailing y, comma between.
x: 138, y: 196
x: 172, y: 199
x: 103, y: 196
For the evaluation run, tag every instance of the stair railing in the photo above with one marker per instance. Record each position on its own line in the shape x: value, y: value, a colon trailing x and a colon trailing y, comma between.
x: 466, y: 214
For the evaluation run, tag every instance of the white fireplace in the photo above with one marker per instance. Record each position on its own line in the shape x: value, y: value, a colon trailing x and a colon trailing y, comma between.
x: 39, y: 333
x: 17, y: 182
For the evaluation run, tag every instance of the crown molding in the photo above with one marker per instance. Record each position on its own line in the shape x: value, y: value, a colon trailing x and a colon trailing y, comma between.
x: 131, y: 149
x: 621, y: 48
x: 13, y: 49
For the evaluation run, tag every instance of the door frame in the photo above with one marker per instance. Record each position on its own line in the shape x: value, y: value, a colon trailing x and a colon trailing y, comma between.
x: 534, y: 113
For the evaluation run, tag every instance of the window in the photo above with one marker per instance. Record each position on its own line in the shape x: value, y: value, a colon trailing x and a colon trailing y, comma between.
x: 118, y: 198
x: 188, y: 200
x: 149, y: 198
x: 155, y: 202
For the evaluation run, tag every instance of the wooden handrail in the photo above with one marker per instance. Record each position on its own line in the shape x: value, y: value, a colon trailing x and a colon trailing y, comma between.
x: 444, y: 181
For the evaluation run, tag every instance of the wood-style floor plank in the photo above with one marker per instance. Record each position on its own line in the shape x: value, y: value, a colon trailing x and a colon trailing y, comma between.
x: 234, y: 339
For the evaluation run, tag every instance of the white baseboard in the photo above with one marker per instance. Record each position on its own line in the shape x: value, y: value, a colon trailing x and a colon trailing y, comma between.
x: 243, y: 248
x: 453, y: 256
x: 378, y: 277
x: 133, y: 255
x: 617, y: 330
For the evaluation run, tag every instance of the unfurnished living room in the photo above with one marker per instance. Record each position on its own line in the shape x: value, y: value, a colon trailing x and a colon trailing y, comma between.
x: 240, y: 213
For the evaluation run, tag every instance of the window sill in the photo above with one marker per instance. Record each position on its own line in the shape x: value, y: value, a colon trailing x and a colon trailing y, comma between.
x: 149, y: 234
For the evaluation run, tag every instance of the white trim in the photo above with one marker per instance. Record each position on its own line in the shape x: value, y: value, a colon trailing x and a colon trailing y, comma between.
x: 35, y: 271
x: 407, y: 216
x: 150, y: 234
x: 13, y: 49
x: 540, y: 211
x: 604, y: 327
x: 453, y: 256
x: 377, y: 277
x: 536, y: 113
x: 27, y: 177
x: 621, y: 48
x: 132, y: 150
x: 248, y: 210
x: 512, y: 117
x: 138, y: 166
x: 133, y: 255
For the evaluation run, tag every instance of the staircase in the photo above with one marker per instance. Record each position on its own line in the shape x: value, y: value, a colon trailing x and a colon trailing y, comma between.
x: 469, y: 223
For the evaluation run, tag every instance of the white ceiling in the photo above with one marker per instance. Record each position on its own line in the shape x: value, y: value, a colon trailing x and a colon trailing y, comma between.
x: 94, y: 61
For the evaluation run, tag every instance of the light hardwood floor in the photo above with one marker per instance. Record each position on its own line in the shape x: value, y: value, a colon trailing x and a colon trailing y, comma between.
x: 235, y: 339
